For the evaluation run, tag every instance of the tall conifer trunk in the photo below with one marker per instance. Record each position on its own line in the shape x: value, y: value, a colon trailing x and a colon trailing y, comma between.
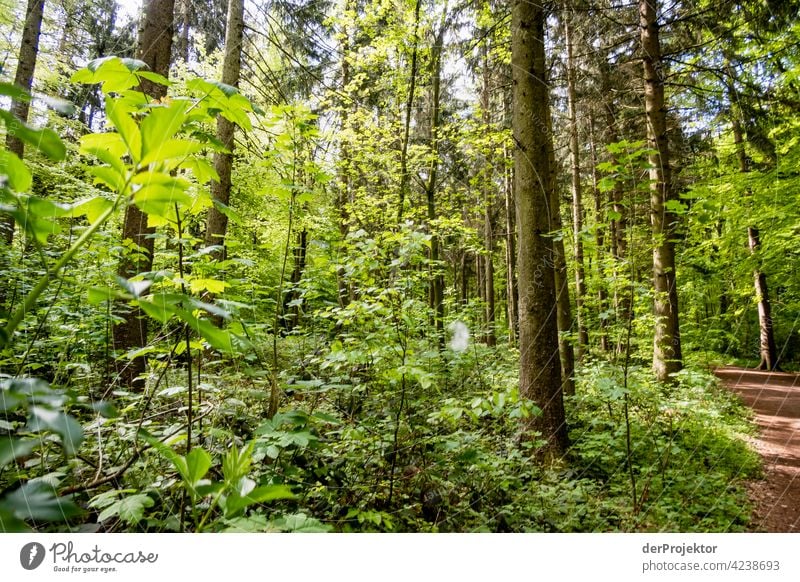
x: 539, y: 369
x: 667, y: 357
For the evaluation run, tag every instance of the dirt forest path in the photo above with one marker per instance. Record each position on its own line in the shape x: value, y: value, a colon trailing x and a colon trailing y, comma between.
x: 775, y: 398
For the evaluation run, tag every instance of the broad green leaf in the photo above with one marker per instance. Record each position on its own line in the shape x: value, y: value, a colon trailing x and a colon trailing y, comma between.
x: 235, y: 502
x: 129, y: 509
x: 109, y: 177
x: 160, y: 193
x: 15, y: 171
x: 115, y: 74
x: 300, y: 523
x: 119, y: 113
x: 64, y: 425
x: 216, y: 337
x: 159, y: 127
x: 157, y: 310
x: 99, y: 295
x: 9, y: 523
x: 45, y: 140
x: 171, y: 149
x: 198, y: 462
x: 92, y: 208
x: 213, y: 286
x: 16, y: 93
x: 36, y: 500
x: 107, y: 147
x: 14, y: 447
x: 154, y: 77
x: 202, y: 170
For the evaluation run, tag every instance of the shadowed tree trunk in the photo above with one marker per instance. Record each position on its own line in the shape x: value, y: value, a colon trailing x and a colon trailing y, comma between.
x: 539, y: 369
x: 767, y: 346
x: 667, y: 357
x: 23, y: 77
x: 155, y: 47
x: 577, y: 204
x: 217, y: 225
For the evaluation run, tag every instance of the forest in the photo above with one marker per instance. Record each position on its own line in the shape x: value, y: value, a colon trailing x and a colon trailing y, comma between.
x: 392, y: 265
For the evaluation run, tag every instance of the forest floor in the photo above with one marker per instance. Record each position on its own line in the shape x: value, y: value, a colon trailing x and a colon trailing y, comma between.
x: 775, y: 400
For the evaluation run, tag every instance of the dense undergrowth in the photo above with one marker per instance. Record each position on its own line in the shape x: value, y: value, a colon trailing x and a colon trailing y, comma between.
x: 337, y: 457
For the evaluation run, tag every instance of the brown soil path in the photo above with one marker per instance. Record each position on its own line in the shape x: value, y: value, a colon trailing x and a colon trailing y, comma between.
x: 775, y: 398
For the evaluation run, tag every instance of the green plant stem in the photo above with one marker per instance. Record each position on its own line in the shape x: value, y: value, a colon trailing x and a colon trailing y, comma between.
x: 44, y: 281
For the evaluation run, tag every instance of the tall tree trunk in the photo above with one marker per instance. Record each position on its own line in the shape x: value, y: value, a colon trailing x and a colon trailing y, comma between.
x: 488, y: 231
x: 667, y: 357
x: 344, y: 194
x: 511, y: 255
x: 564, y: 319
x: 217, y: 225
x: 436, y: 291
x: 767, y: 347
x: 292, y: 302
x: 409, y: 110
x: 539, y: 370
x: 23, y: 78
x: 599, y: 234
x: 155, y: 47
x: 183, y: 41
x: 577, y: 205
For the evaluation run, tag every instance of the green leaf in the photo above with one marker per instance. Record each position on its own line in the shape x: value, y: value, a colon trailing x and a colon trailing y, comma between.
x: 158, y: 128
x: 14, y: 447
x: 92, y: 208
x: 198, y: 462
x: 58, y: 422
x: 202, y: 170
x: 218, y: 338
x: 213, y: 286
x: 108, y: 147
x: 236, y: 503
x: 45, y: 140
x: 15, y: 171
x: 109, y: 177
x: 300, y: 523
x: 172, y: 149
x: 16, y: 93
x: 36, y: 500
x: 129, y: 509
x: 114, y: 73
x: 160, y: 193
x: 119, y: 113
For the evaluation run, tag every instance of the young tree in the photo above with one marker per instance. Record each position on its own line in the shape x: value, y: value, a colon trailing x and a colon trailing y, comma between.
x: 667, y: 358
x: 539, y: 369
x: 155, y: 47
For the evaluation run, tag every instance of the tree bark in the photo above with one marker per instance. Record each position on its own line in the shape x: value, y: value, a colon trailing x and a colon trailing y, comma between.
x: 409, y: 110
x: 511, y: 257
x: 577, y: 204
x: 540, y: 374
x: 23, y: 78
x: 155, y: 47
x: 564, y: 318
x: 217, y: 225
x: 488, y: 231
x: 436, y: 290
x: 599, y: 233
x: 667, y: 357
x: 767, y: 347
